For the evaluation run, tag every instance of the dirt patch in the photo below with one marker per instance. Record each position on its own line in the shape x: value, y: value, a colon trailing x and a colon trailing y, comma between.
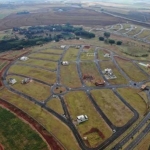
x: 1, y: 147
x: 52, y: 143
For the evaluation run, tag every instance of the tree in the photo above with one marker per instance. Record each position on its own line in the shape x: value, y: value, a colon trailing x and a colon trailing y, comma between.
x: 106, y: 34
x: 101, y: 38
x: 119, y: 42
x: 111, y: 41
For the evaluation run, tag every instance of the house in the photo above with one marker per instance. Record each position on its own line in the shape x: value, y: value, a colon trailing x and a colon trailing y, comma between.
x: 82, y: 118
x: 24, y: 58
x: 107, y: 55
x: 65, y: 63
x: 12, y: 81
x: 108, y: 71
x: 26, y: 80
x: 62, y: 46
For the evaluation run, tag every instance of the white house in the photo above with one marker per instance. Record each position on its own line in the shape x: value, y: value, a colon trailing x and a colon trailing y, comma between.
x: 62, y: 46
x: 24, y: 58
x: 65, y: 63
x: 12, y: 81
x: 82, y: 118
x: 107, y: 55
x: 108, y: 71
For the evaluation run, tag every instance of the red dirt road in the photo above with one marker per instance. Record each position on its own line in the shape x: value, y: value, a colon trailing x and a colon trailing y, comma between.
x: 53, y: 144
x: 1, y: 147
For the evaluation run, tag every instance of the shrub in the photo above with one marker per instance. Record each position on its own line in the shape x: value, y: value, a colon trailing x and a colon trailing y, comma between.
x: 101, y: 38
x: 119, y: 42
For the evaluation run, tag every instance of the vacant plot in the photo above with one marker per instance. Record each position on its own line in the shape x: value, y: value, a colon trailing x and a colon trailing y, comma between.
x: 46, y: 76
x: 144, y: 67
x: 115, y: 27
x: 135, y: 74
x: 117, y: 112
x: 55, y: 104
x: 144, y: 144
x: 135, y: 30
x: 55, y: 51
x: 144, y: 34
x: 87, y: 54
x: 101, y: 54
x: 126, y: 28
x: 41, y: 63
x: 109, y: 64
x: 3, y: 64
x: 34, y: 89
x: 91, y: 69
x: 15, y: 134
x: 135, y: 100
x: 45, y: 56
x: 71, y: 54
x: 79, y: 104
x: 51, y: 123
x: 69, y: 75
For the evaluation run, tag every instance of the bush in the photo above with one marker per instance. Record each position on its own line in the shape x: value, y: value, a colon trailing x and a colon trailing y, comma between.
x: 101, y: 38
x: 106, y: 34
x: 111, y: 41
x: 119, y: 42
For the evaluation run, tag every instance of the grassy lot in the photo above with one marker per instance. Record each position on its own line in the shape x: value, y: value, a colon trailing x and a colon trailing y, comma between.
x: 45, y: 56
x: 51, y: 123
x: 109, y: 64
x: 115, y: 27
x: 144, y: 34
x: 135, y: 74
x: 69, y: 75
x: 126, y: 27
x: 134, y: 31
x: 71, y: 54
x: 148, y: 38
x: 144, y: 68
x: 144, y: 96
x: 55, y: 104
x: 41, y: 63
x: 56, y: 51
x: 117, y: 112
x: 15, y: 134
x: 87, y: 54
x: 3, y: 64
x: 134, y: 99
x: 101, y: 54
x: 144, y: 144
x: 90, y: 68
x: 34, y: 89
x: 46, y: 76
x: 79, y: 104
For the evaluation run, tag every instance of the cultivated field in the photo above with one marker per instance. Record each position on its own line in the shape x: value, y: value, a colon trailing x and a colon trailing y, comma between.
x: 46, y: 76
x: 51, y: 123
x: 15, y: 134
x: 117, y: 112
x: 78, y: 103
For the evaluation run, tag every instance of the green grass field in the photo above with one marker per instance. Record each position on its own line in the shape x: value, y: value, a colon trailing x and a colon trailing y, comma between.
x: 69, y: 75
x: 56, y: 51
x: 101, y: 54
x: 79, y: 104
x: 41, y: 63
x: 135, y: 74
x: 134, y: 31
x: 117, y: 112
x: 46, y: 76
x: 51, y: 123
x: 15, y: 134
x: 34, y: 89
x: 87, y: 54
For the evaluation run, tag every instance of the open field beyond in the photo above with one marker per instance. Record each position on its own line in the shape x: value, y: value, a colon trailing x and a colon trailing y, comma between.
x: 45, y: 56
x: 15, y: 134
x: 112, y: 106
x: 78, y: 104
x: 47, y: 76
x: 34, y: 89
x: 41, y: 63
x: 74, y: 16
x: 144, y: 34
x: 135, y: 100
x: 109, y: 64
x: 126, y: 27
x: 51, y: 123
x: 135, y: 74
x: 71, y: 54
x: 56, y: 51
x: 134, y: 31
x: 69, y: 75
x: 91, y: 69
